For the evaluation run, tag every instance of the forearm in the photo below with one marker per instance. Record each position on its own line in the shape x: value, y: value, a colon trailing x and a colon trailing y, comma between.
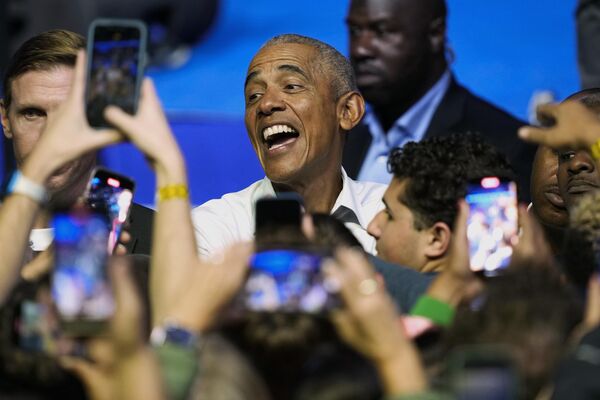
x: 138, y: 377
x: 404, y: 373
x: 174, y: 249
x: 17, y: 215
x: 447, y: 290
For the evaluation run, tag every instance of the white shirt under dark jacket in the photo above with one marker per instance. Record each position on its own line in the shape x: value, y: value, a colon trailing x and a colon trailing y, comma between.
x: 221, y: 222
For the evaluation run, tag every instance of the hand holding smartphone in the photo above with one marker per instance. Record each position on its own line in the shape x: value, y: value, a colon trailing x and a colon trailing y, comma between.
x: 288, y: 280
x: 492, y: 227
x: 80, y: 286
x: 115, y: 67
x: 111, y: 193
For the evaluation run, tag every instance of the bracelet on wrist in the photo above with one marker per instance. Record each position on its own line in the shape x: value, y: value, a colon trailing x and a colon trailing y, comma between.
x: 439, y: 312
x: 173, y: 333
x: 168, y: 192
x: 20, y: 184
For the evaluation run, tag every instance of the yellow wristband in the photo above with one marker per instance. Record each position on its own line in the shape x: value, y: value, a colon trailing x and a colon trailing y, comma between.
x: 178, y: 191
x: 595, y: 150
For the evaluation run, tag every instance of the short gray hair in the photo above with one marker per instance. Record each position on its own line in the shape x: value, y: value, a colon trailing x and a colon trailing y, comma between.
x: 329, y: 59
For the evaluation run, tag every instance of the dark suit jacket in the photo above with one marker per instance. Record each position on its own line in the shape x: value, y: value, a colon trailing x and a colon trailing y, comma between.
x: 459, y: 111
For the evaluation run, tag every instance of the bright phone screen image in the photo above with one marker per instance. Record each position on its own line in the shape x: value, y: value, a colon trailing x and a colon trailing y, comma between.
x: 111, y: 194
x: 287, y: 280
x: 80, y: 285
x: 492, y: 226
x: 113, y: 76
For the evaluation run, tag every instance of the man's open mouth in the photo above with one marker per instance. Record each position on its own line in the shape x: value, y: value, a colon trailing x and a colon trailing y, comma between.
x: 277, y: 136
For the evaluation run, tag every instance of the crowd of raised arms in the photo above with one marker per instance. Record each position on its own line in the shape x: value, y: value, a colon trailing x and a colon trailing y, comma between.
x: 384, y: 254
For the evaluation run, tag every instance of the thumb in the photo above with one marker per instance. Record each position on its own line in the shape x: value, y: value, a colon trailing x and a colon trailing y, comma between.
x: 121, y: 120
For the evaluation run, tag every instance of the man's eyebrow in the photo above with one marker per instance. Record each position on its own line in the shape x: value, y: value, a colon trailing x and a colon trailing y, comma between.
x: 27, y: 106
x: 250, y: 76
x: 284, y: 67
x: 293, y: 68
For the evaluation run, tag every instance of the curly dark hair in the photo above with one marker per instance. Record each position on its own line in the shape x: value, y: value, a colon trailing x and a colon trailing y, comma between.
x: 437, y: 171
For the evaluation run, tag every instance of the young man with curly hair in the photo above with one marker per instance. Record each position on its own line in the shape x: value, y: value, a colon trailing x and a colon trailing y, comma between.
x: 415, y: 227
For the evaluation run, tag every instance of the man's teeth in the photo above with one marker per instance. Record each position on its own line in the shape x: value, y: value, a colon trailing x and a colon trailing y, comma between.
x: 275, y: 129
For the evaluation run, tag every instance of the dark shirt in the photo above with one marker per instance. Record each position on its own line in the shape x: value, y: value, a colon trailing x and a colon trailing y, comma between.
x: 403, y: 284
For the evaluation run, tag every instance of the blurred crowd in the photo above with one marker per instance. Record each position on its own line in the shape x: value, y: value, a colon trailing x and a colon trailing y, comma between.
x: 362, y: 266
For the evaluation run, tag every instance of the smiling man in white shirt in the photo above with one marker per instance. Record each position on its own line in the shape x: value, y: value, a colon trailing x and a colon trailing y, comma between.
x: 301, y: 100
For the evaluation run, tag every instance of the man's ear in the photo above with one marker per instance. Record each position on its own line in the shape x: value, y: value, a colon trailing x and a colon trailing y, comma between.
x: 350, y: 110
x: 437, y: 35
x: 438, y: 240
x: 5, y: 122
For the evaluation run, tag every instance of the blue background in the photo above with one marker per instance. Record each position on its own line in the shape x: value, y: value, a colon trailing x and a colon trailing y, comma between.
x: 505, y: 51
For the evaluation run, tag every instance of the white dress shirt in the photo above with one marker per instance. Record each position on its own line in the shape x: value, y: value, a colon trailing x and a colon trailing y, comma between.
x: 221, y: 222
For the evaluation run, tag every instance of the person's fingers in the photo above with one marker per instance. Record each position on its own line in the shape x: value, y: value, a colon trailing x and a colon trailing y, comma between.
x: 96, y: 380
x: 344, y: 323
x: 308, y: 227
x: 121, y: 120
x: 535, y: 135
x: 125, y: 236
x: 84, y: 369
x: 149, y: 96
x: 459, y: 246
x: 356, y: 277
x: 547, y: 110
x: 38, y: 266
x: 120, y: 250
x: 78, y: 87
x: 592, y: 308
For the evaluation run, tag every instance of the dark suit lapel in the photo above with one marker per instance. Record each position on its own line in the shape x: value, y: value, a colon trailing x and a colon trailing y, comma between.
x: 449, y: 113
x: 355, y: 150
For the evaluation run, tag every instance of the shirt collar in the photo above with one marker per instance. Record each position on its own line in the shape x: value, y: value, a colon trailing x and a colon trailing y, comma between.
x: 345, y: 200
x: 415, y: 120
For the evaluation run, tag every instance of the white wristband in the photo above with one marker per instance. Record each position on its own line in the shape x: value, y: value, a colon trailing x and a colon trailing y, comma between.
x: 20, y: 184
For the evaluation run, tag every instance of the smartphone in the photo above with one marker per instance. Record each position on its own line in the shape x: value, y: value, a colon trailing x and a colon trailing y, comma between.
x: 80, y: 286
x: 288, y: 280
x: 111, y: 194
x: 272, y: 214
x: 115, y: 67
x: 492, y: 227
x: 483, y: 372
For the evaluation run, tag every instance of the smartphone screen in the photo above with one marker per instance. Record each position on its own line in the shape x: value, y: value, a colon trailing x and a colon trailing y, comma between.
x: 111, y: 194
x: 287, y: 280
x: 115, y: 67
x: 80, y: 286
x: 492, y: 226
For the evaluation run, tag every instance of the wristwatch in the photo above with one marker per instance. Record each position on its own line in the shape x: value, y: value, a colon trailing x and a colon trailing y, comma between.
x: 21, y: 184
x: 174, y: 334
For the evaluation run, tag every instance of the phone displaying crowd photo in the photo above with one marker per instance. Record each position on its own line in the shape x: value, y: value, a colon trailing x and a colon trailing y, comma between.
x: 288, y: 280
x: 492, y: 226
x: 80, y: 286
x: 111, y: 194
x: 115, y: 66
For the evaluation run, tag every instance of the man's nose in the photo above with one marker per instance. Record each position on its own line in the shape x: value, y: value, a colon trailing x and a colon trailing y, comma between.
x: 270, y: 102
x: 581, y: 162
x: 374, y: 228
x: 361, y: 44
